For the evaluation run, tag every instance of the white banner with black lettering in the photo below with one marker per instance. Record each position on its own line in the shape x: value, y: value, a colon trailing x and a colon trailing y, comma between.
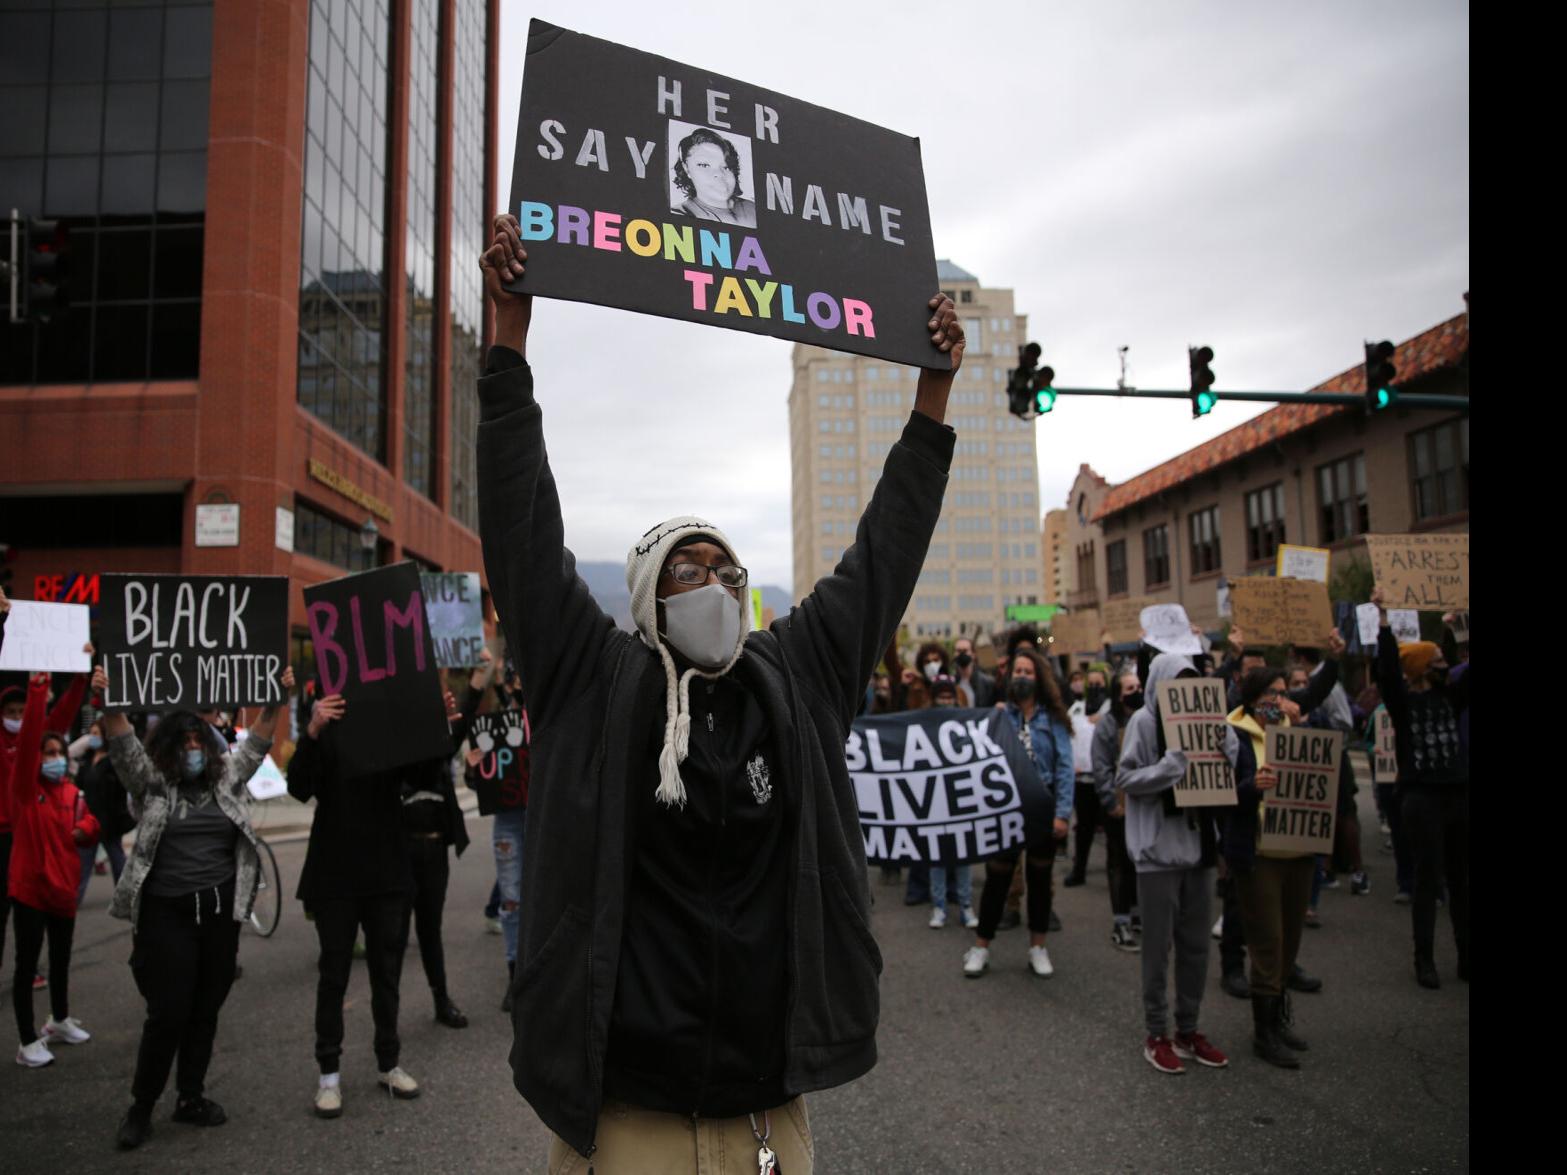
x: 945, y: 787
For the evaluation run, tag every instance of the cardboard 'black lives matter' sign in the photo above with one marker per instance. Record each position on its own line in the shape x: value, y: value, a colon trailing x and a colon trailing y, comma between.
x: 1192, y: 711
x: 501, y: 739
x: 193, y: 641
x: 1297, y: 814
x: 943, y: 787
x: 654, y: 186
x: 372, y: 643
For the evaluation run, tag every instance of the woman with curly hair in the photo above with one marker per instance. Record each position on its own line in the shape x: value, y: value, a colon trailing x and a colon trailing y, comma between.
x: 707, y: 174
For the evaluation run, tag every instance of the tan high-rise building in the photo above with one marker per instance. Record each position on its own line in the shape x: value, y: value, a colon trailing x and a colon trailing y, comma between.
x: 846, y: 411
x: 1053, y: 540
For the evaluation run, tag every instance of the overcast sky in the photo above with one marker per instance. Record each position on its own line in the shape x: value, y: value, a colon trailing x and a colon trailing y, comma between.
x: 1276, y: 180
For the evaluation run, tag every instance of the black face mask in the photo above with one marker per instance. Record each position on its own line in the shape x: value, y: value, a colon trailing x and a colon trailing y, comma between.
x: 883, y: 698
x: 1132, y: 701
x: 963, y: 660
x: 1020, y: 689
x: 1094, y: 698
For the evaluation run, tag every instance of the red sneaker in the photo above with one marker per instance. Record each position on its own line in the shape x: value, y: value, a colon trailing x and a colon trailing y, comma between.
x: 39, y: 983
x: 1194, y: 1046
x: 1160, y: 1053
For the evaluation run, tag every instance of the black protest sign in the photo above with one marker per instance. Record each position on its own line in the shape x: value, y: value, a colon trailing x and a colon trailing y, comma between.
x: 452, y: 604
x: 372, y: 643
x: 501, y: 739
x: 1297, y: 814
x: 1384, y: 746
x: 1192, y: 711
x: 945, y: 787
x: 643, y: 183
x: 193, y: 641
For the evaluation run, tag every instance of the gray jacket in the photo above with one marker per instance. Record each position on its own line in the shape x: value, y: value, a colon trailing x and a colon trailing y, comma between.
x: 1155, y: 838
x: 1106, y: 751
x: 156, y: 798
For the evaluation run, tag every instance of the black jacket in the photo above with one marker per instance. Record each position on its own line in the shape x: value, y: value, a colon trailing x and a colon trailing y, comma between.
x: 596, y: 707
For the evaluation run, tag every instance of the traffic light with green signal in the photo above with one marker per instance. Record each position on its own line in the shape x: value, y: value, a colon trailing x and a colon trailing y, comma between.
x: 1380, y: 392
x: 1044, y: 390
x: 1203, y: 398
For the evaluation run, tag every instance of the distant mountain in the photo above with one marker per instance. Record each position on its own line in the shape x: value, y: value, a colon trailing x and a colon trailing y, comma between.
x: 607, y: 582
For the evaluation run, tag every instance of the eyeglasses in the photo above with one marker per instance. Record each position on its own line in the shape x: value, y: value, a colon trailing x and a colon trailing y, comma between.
x: 691, y: 574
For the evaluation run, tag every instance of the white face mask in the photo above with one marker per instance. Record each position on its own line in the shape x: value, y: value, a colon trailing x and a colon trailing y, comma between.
x: 12, y: 725
x: 704, y: 625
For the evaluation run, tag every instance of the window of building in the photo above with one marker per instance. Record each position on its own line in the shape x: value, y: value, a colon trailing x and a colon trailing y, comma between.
x: 419, y: 249
x: 1156, y: 556
x: 1439, y: 463
x: 1264, y: 522
x: 1341, y: 499
x: 342, y: 297
x: 1115, y: 568
x: 1086, y: 573
x: 328, y: 538
x: 105, y: 132
x: 469, y: 91
x: 1203, y: 528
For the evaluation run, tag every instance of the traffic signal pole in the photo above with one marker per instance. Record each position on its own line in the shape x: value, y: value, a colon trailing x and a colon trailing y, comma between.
x: 1344, y: 399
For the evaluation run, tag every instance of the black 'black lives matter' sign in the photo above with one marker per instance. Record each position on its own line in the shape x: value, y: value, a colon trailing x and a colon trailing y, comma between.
x: 646, y: 184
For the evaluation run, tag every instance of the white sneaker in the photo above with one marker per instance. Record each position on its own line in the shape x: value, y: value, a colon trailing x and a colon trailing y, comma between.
x: 35, y: 1055
x: 970, y: 919
x: 976, y: 961
x: 1218, y: 927
x: 1039, y: 962
x: 67, y: 1031
x: 329, y: 1101
x: 399, y: 1084
x: 493, y: 926
x: 938, y: 917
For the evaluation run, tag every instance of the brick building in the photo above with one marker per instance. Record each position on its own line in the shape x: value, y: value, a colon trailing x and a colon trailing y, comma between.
x: 268, y: 216
x: 1307, y: 474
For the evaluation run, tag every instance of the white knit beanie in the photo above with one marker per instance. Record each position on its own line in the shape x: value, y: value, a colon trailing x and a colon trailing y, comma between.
x: 644, y: 563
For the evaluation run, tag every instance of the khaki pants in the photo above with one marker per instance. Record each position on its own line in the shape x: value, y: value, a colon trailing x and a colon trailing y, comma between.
x: 1273, y: 897
x: 645, y: 1142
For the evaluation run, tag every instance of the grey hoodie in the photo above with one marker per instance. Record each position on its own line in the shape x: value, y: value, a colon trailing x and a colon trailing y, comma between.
x: 1155, y: 839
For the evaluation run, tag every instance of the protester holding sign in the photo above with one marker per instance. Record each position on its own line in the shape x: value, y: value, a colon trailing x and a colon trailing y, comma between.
x: 51, y: 824
x: 1433, y: 785
x: 689, y: 787
x: 188, y: 887
x: 1175, y: 853
x: 1040, y: 723
x: 1109, y: 735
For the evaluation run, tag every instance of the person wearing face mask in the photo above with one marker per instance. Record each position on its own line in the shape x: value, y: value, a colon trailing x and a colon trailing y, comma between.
x: 51, y: 824
x: 1175, y: 853
x: 976, y: 688
x: 696, y: 953
x: 107, y: 800
x: 1109, y: 735
x: 1430, y: 723
x: 1086, y: 712
x: 944, y: 693
x: 1041, y: 724
x: 189, y: 886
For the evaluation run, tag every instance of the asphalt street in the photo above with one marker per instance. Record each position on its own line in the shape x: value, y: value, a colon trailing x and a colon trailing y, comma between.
x: 1005, y: 1073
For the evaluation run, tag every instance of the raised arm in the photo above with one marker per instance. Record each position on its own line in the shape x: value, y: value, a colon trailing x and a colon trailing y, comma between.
x: 1387, y: 670
x: 313, y: 768
x: 29, y: 743
x: 1316, y: 691
x: 837, y: 633
x: 554, y: 624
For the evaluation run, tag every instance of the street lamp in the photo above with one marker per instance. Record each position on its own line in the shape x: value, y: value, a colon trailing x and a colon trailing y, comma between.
x: 368, y: 536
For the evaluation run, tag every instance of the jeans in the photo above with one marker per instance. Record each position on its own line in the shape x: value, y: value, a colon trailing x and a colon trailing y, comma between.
x: 431, y: 869
x: 1175, y: 904
x: 507, y: 836
x: 183, y: 969
x: 1437, y: 821
x: 963, y: 883
x: 31, y: 927
x: 337, y: 924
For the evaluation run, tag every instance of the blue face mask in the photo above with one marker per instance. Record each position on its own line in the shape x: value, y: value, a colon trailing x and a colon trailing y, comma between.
x: 53, y: 770
x: 95, y: 742
x: 195, y: 763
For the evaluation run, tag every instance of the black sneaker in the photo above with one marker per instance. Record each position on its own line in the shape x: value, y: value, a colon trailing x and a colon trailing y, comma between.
x: 1425, y: 974
x: 1073, y: 880
x: 1122, y: 938
x: 1302, y: 981
x: 198, y: 1111
x: 449, y: 1014
x: 135, y: 1128
x: 1359, y: 884
x: 1234, y: 983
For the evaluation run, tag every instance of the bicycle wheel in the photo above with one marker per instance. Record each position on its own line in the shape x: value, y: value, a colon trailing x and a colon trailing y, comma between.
x: 268, y: 908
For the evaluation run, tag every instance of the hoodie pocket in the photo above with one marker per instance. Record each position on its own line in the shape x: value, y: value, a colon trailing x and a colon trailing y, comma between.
x: 837, y: 968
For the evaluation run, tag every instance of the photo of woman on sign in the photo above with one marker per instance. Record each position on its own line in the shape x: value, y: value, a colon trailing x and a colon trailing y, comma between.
x: 708, y: 177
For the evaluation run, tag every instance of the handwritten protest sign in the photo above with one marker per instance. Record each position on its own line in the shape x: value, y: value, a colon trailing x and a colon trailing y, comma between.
x: 1272, y: 611
x: 1405, y: 623
x: 643, y: 183
x: 1368, y: 619
x: 1303, y: 562
x: 1192, y: 711
x: 1167, y: 628
x: 502, y: 740
x: 945, y: 787
x: 372, y: 644
x: 1297, y: 815
x: 193, y: 641
x: 1384, y: 753
x: 1123, y: 619
x: 45, y: 638
x: 1427, y: 572
x: 1076, y: 632
x: 452, y: 604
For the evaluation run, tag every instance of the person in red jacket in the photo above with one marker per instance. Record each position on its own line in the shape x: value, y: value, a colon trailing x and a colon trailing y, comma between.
x: 50, y: 822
